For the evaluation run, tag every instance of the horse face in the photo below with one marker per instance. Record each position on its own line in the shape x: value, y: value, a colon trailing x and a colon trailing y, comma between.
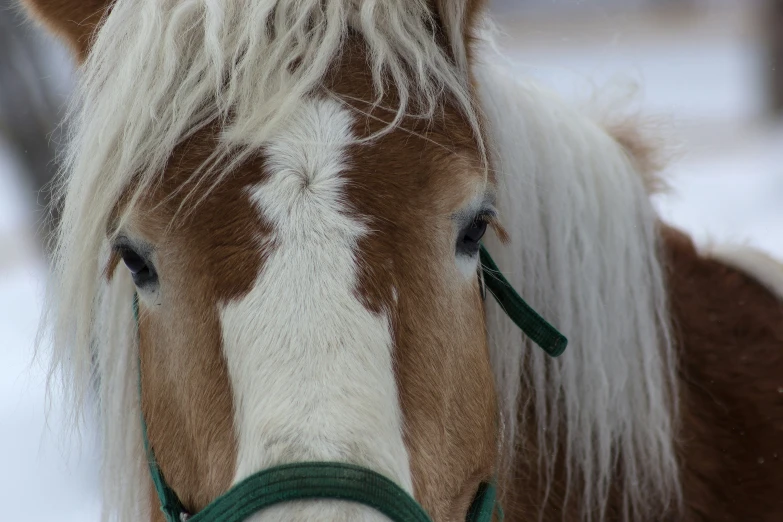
x: 320, y: 303
x: 314, y: 297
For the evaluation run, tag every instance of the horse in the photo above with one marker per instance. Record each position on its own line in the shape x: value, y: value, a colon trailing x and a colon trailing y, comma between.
x: 297, y: 195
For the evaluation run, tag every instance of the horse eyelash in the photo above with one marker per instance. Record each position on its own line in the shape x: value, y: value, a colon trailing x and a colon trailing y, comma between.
x: 487, y: 217
x: 491, y: 219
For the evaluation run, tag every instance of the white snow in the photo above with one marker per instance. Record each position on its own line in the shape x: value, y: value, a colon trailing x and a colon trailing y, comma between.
x: 726, y: 186
x: 693, y: 80
x: 731, y: 195
x: 46, y: 474
x: 704, y: 85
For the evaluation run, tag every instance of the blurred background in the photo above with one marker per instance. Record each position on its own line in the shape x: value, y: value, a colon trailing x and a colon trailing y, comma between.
x: 707, y: 73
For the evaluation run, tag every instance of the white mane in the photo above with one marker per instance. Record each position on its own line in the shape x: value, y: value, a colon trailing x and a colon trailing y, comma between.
x: 584, y: 253
x: 158, y: 71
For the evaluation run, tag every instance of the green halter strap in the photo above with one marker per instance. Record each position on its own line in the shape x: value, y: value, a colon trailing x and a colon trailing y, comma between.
x: 324, y: 480
x: 528, y: 320
x: 337, y: 481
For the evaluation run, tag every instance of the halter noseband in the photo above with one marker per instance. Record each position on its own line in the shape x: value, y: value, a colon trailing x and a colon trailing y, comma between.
x: 339, y: 481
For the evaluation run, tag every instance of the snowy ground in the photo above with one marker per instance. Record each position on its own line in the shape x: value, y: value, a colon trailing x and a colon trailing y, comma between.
x: 727, y: 184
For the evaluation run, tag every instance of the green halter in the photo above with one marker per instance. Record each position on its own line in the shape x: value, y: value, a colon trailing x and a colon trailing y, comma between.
x: 337, y: 481
x: 528, y: 320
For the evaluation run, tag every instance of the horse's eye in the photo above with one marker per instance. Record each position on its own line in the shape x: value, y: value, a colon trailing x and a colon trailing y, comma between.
x: 475, y: 231
x: 133, y: 261
x: 142, y: 272
x: 468, y: 243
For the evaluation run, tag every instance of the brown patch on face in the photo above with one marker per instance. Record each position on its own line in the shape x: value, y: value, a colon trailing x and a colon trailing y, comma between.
x: 204, y: 259
x: 409, y: 184
x: 74, y: 21
x: 730, y: 334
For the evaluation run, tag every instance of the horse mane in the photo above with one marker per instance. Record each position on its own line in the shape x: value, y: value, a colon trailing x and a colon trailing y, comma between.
x: 583, y: 251
x: 158, y: 72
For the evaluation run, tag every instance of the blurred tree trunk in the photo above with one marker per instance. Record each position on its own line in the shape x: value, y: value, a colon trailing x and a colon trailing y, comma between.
x: 773, y: 18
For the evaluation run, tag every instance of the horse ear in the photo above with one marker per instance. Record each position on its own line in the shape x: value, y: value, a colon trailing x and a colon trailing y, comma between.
x: 460, y: 20
x: 74, y: 21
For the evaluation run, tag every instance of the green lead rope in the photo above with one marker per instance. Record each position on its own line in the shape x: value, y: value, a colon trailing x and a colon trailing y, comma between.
x: 528, y: 320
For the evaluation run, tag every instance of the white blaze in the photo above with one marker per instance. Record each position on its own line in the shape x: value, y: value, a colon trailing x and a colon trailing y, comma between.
x: 310, y: 366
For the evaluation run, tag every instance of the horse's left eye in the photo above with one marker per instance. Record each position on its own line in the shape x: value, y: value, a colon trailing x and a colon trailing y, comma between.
x: 468, y: 242
x: 141, y: 270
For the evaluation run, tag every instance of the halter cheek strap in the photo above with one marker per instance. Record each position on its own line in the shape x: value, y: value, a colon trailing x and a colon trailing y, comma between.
x: 347, y: 482
x: 528, y: 320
